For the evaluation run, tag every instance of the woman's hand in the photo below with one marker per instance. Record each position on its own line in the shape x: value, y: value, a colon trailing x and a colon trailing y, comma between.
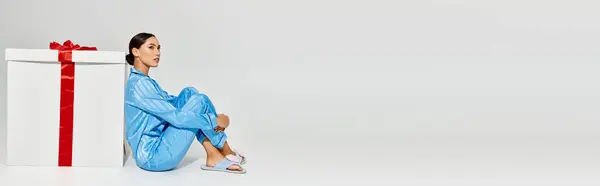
x: 222, y: 122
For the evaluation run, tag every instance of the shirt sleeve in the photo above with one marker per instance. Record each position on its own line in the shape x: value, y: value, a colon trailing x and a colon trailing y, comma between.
x: 147, y: 98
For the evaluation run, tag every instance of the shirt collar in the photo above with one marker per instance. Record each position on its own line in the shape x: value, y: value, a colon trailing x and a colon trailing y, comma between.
x: 136, y: 71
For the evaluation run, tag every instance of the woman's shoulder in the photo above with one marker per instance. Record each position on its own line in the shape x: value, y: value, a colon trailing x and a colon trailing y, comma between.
x: 135, y: 82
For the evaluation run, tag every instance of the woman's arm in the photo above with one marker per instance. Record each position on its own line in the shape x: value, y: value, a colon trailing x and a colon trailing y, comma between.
x: 147, y: 98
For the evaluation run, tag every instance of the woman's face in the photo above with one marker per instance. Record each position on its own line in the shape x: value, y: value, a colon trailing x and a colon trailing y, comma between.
x: 149, y: 52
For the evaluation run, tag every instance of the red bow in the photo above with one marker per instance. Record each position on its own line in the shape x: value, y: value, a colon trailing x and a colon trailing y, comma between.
x: 68, y: 45
x: 65, y: 54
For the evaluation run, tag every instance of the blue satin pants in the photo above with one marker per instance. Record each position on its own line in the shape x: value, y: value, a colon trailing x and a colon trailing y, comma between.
x: 175, y: 142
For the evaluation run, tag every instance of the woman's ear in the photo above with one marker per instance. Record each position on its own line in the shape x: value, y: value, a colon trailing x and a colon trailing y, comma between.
x: 135, y: 52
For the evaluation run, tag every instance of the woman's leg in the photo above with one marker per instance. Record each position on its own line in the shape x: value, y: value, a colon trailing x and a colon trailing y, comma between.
x: 174, y: 146
x: 210, y: 139
x: 214, y: 156
x: 226, y: 150
x: 218, y: 139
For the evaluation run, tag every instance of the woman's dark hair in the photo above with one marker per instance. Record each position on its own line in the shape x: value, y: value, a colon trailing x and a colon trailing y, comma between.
x: 136, y: 42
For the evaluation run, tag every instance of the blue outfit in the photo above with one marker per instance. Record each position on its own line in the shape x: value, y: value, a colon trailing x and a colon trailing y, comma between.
x: 161, y: 127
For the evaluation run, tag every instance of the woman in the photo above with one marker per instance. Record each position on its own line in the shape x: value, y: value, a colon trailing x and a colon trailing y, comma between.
x: 161, y: 127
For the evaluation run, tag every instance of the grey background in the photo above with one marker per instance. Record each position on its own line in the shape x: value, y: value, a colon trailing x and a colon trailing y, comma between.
x: 366, y: 89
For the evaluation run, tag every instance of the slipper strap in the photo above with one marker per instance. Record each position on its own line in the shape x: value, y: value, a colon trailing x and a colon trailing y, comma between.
x: 239, y: 156
x: 225, y: 164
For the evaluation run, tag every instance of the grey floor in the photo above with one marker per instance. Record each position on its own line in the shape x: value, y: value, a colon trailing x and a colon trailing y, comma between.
x: 389, y: 158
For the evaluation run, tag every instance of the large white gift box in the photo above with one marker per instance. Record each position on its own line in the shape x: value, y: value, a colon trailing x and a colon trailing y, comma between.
x: 65, y: 107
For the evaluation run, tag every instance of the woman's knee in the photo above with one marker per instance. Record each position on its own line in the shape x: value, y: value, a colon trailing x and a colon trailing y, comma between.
x: 201, y: 97
x: 190, y: 90
x: 193, y: 93
x: 199, y: 103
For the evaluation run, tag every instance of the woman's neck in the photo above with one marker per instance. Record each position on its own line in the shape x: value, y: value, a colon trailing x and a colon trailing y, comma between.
x: 141, y: 67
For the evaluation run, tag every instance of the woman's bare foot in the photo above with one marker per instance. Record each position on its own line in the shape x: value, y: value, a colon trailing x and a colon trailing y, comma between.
x: 226, y: 150
x: 214, y: 156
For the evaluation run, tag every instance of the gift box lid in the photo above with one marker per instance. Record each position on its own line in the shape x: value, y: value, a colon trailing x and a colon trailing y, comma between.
x: 78, y: 56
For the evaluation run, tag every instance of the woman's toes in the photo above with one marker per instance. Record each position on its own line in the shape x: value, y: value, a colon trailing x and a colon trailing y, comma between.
x: 235, y: 168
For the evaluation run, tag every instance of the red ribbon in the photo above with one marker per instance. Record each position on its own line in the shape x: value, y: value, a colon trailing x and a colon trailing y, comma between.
x: 67, y: 90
